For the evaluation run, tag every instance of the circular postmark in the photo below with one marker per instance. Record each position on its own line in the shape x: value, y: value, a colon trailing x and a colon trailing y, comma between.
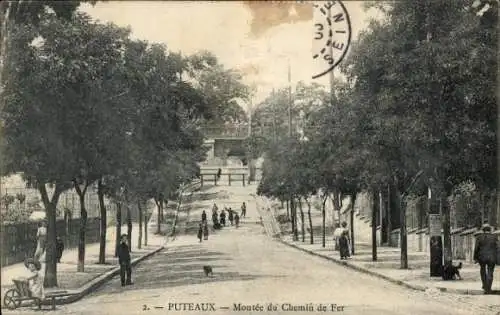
x: 332, y: 35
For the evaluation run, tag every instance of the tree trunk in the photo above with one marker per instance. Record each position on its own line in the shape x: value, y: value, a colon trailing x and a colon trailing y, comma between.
x: 323, y: 213
x: 492, y: 219
x: 389, y: 218
x: 50, y: 250
x: 103, y: 225
x: 294, y: 216
x: 403, y: 237
x: 158, y: 207
x: 118, y: 226
x: 162, y: 214
x: 354, y: 195
x: 129, y: 227
x: 445, y: 210
x: 139, y: 210
x: 311, y: 234
x: 337, y: 206
x: 176, y: 218
x: 302, y: 226
x: 146, y: 219
x: 375, y: 211
x: 287, y: 210
x: 83, y: 226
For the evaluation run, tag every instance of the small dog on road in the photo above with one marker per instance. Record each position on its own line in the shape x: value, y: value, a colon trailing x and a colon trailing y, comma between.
x: 451, y: 272
x: 207, y: 270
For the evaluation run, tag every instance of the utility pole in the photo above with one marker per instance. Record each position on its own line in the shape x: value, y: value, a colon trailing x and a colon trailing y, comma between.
x: 330, y: 48
x: 273, y: 104
x: 332, y: 99
x: 250, y: 118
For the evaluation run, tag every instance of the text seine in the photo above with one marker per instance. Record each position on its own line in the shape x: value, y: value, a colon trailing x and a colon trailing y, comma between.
x: 287, y: 307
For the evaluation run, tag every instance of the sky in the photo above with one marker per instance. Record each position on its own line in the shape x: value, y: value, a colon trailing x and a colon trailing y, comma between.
x: 260, y: 39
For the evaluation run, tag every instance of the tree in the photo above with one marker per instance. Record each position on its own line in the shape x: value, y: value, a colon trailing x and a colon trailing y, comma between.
x: 220, y: 88
x: 30, y: 106
x: 90, y: 54
x: 422, y: 120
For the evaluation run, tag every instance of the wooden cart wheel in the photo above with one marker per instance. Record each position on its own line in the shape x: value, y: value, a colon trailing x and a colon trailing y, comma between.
x: 11, y: 299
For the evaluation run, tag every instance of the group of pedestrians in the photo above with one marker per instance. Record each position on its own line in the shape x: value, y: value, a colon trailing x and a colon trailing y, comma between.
x: 219, y: 219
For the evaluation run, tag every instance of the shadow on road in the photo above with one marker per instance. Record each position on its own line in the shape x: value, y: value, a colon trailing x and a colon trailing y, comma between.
x: 180, y: 267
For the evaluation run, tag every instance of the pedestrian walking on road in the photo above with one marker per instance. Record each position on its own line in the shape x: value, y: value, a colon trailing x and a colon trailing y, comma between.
x: 124, y: 261
x: 215, y: 219
x: 223, y: 217
x: 219, y: 173
x: 200, y: 232
x: 344, y: 245
x: 485, y: 253
x: 214, y: 208
x: 237, y: 220
x: 204, y: 216
x: 205, y: 231
x: 230, y: 216
x: 243, y: 210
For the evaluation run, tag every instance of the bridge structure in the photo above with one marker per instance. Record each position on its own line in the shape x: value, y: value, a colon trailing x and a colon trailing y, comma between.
x: 225, y: 144
x: 226, y: 151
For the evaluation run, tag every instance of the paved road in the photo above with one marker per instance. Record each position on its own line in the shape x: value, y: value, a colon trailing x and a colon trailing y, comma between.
x: 253, y: 270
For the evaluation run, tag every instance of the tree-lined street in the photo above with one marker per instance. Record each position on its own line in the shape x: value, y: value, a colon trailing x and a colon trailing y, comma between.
x: 402, y: 143
x: 251, y: 269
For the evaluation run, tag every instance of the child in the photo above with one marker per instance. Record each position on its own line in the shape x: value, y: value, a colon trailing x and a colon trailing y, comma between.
x: 35, y: 280
x: 59, y: 248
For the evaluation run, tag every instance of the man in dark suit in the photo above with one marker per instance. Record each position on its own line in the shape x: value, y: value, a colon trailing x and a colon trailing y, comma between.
x: 485, y: 253
x: 124, y: 260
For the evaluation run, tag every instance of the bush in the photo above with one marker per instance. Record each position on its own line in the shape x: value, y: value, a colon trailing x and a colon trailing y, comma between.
x: 7, y: 200
x: 16, y: 214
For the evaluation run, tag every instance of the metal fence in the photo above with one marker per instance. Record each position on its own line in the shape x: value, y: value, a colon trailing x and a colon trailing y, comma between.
x: 19, y: 240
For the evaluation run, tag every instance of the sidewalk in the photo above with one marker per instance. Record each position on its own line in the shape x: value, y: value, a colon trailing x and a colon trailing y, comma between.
x: 387, y: 267
x: 78, y: 284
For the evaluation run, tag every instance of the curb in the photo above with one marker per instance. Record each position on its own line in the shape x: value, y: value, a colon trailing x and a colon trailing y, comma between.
x: 381, y: 276
x: 97, y: 282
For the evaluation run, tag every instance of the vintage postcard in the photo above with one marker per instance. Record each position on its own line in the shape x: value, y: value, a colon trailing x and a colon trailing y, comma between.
x: 249, y: 157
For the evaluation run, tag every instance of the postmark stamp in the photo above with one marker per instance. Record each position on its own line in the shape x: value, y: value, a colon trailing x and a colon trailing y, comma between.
x: 332, y: 36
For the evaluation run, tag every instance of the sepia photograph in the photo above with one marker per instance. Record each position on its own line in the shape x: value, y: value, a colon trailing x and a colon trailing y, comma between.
x: 250, y: 157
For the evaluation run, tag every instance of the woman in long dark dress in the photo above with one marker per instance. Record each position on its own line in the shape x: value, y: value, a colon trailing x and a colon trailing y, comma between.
x: 230, y: 216
x: 205, y: 231
x: 237, y: 220
x: 200, y: 232
x: 344, y: 245
x: 223, y: 217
